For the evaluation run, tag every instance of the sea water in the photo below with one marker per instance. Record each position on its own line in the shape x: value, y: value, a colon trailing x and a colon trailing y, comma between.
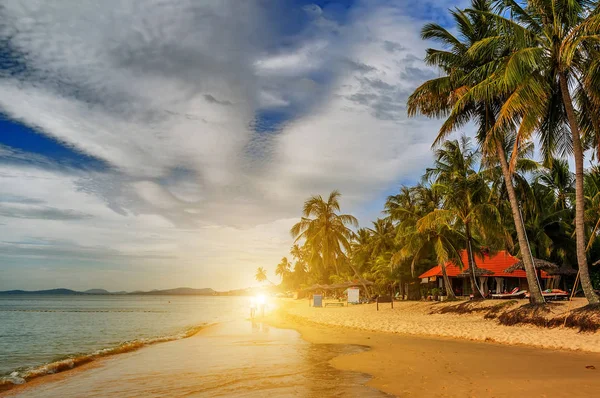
x: 236, y: 357
x: 36, y: 330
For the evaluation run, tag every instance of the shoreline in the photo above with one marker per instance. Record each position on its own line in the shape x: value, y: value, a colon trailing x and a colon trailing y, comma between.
x: 61, y: 367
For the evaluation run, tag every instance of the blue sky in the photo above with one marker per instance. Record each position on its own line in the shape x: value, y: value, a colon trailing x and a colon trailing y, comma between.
x: 155, y: 144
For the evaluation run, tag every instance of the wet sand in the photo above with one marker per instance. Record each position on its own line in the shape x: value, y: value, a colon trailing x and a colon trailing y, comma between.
x: 233, y: 359
x: 416, y: 366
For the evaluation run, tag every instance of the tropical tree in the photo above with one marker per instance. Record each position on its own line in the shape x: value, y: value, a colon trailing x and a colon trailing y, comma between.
x: 559, y: 181
x: 465, y: 202
x: 453, y: 97
x: 283, y: 269
x: 261, y: 275
x: 326, y: 234
x: 551, y: 77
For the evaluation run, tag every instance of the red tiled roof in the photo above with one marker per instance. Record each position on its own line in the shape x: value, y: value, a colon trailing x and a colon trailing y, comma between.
x: 496, y: 263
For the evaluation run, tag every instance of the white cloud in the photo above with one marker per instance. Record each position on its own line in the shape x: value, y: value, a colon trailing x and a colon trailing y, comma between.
x: 167, y: 93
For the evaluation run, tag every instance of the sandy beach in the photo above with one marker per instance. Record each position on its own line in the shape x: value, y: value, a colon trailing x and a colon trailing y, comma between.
x: 406, y: 362
x: 422, y: 318
x: 396, y: 352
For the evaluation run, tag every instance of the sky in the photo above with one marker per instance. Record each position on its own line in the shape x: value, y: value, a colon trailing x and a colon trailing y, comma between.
x: 148, y: 144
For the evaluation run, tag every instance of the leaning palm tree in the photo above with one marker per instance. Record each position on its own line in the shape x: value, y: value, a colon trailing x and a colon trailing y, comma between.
x: 326, y: 234
x: 551, y: 79
x: 261, y: 275
x: 451, y: 97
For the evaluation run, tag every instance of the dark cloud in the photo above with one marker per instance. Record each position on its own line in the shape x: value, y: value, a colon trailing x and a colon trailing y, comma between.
x: 213, y: 100
x: 42, y: 213
x: 392, y: 46
x: 417, y: 74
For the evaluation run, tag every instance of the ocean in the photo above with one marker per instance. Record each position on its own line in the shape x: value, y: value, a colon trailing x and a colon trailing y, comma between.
x: 48, y: 334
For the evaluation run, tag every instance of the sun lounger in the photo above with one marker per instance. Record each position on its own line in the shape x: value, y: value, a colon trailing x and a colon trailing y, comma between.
x: 515, y: 293
x: 334, y: 304
x: 554, y: 294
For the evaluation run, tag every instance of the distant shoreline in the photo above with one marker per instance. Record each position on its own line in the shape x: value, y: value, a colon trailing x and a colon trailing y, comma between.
x: 102, y: 292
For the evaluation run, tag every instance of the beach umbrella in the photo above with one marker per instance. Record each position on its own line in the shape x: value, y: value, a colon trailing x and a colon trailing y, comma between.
x: 542, y: 265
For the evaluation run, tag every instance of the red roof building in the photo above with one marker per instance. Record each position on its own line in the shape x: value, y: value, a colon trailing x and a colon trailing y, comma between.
x: 496, y: 263
x: 495, y: 281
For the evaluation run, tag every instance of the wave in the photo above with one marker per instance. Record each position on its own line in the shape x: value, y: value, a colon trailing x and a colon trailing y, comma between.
x: 21, y: 377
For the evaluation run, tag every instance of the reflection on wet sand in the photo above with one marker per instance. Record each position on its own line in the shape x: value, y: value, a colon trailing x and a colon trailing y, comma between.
x: 250, y: 359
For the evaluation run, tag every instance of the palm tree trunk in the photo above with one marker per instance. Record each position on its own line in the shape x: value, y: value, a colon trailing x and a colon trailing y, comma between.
x: 535, y: 295
x: 472, y: 275
x: 584, y: 275
x: 447, y: 284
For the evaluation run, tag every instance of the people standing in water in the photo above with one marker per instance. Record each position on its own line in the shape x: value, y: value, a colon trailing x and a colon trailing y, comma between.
x: 252, y: 307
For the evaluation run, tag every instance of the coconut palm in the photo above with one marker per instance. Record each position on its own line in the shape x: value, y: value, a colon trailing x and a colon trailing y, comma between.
x: 382, y: 236
x: 465, y: 202
x: 261, y: 275
x: 559, y: 181
x: 551, y: 78
x: 283, y: 268
x: 326, y: 234
x: 452, y: 96
x: 426, y: 238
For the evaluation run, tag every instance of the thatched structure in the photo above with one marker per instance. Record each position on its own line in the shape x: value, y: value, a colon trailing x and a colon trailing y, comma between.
x: 478, y: 272
x: 565, y: 270
x: 542, y: 265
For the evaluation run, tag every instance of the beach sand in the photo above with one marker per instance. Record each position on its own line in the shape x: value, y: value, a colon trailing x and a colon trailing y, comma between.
x: 405, y: 362
x: 272, y: 361
x: 416, y: 318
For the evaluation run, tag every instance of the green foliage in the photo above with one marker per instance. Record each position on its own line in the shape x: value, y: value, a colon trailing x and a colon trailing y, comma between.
x: 501, y: 67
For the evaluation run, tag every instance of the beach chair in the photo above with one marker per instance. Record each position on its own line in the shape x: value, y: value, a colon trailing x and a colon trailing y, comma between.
x: 554, y: 294
x: 515, y: 293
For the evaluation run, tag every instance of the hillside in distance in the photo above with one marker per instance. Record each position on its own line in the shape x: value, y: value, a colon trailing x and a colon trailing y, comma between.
x: 182, y: 291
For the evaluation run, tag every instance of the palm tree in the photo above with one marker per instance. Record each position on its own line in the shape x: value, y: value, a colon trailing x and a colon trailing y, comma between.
x: 261, y: 274
x: 381, y: 236
x: 325, y: 233
x: 554, y: 59
x: 452, y: 97
x: 425, y: 238
x: 559, y: 181
x: 283, y: 268
x: 466, y: 195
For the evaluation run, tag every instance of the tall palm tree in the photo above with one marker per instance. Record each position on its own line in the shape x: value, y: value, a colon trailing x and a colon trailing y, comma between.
x: 466, y: 196
x: 559, y: 181
x: 551, y: 77
x: 326, y: 233
x: 283, y: 268
x: 451, y: 97
x: 261, y: 275
x: 382, y: 236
